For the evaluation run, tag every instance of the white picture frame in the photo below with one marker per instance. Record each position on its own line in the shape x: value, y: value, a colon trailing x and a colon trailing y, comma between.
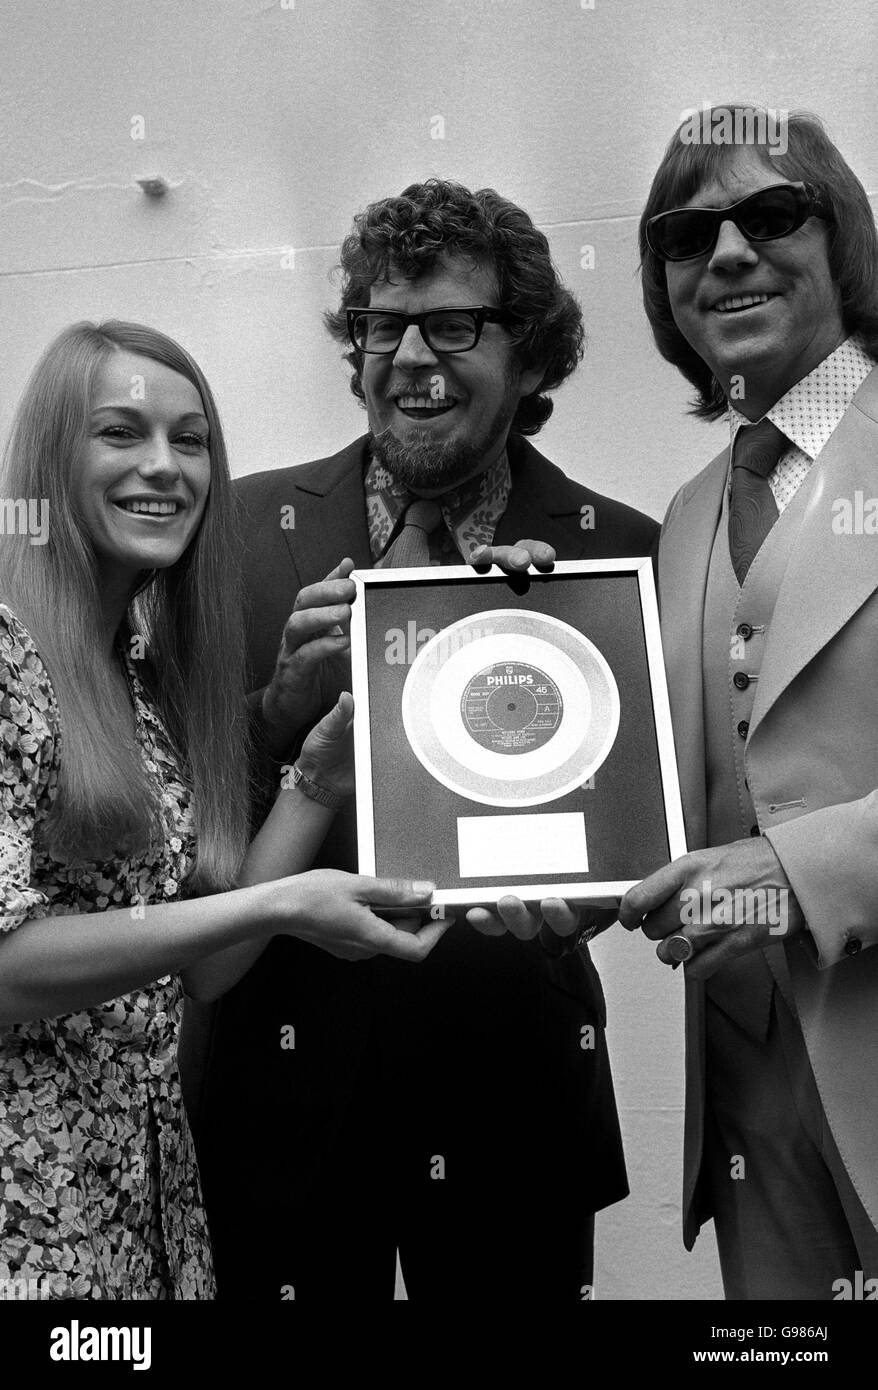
x: 453, y: 775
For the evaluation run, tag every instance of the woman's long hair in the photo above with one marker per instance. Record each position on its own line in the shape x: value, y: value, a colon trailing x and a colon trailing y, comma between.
x: 188, y: 619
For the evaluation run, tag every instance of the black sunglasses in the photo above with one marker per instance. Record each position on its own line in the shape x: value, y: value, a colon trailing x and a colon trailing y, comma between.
x: 771, y: 213
x: 456, y: 329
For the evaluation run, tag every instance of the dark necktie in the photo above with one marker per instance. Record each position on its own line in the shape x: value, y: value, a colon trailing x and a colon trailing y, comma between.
x: 752, y: 508
x: 412, y: 545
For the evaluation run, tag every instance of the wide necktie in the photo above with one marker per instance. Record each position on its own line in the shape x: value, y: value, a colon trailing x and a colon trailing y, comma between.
x: 412, y: 545
x: 752, y: 508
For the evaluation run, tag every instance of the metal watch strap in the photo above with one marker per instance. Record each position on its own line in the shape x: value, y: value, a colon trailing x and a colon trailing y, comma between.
x: 315, y: 792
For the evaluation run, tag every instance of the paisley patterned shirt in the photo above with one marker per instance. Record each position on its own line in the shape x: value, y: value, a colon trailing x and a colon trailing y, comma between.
x: 99, y: 1188
x: 471, y: 512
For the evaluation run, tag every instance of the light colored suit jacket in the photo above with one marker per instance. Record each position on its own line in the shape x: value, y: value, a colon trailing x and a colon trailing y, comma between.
x: 814, y: 738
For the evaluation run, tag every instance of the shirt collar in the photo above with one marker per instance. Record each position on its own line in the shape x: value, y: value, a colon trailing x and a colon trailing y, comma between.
x: 471, y: 511
x: 811, y: 410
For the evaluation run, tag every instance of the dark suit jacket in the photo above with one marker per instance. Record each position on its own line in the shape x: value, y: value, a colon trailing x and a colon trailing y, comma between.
x: 472, y: 990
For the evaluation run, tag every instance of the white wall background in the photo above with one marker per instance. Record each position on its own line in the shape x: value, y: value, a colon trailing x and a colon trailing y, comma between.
x: 276, y: 120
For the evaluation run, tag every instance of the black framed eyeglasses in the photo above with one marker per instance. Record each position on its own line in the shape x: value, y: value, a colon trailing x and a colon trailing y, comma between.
x: 767, y: 215
x: 455, y: 329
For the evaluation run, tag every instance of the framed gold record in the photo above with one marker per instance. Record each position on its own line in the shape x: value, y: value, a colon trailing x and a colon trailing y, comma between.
x: 512, y: 732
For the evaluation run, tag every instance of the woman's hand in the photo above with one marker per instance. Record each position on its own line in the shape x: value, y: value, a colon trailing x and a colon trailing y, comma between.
x: 343, y: 914
x: 327, y: 755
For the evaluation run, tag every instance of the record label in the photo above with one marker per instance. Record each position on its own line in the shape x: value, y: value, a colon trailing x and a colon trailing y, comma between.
x: 511, y: 707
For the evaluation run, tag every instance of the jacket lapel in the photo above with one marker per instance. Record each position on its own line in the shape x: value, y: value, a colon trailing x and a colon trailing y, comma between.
x: 335, y: 483
x: 832, y: 572
x: 526, y: 518
x: 684, y: 558
x: 541, y: 500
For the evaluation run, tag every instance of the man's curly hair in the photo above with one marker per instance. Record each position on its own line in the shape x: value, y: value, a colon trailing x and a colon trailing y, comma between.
x: 437, y: 218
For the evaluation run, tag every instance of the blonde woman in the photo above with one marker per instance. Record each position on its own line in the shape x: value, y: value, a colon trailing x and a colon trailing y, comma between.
x: 124, y: 868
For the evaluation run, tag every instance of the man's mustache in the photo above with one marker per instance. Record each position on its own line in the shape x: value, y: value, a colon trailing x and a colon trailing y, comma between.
x: 434, y: 388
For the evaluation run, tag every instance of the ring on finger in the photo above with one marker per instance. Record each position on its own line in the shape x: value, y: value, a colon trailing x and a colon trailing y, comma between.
x: 680, y: 948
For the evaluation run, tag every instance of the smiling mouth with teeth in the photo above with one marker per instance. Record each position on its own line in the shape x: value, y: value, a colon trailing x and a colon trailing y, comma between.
x: 149, y: 508
x: 733, y: 303
x: 423, y: 407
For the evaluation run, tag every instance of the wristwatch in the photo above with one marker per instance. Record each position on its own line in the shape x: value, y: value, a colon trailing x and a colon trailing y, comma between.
x: 315, y: 792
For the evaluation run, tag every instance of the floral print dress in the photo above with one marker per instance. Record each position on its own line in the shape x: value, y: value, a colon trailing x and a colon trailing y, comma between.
x: 99, y: 1188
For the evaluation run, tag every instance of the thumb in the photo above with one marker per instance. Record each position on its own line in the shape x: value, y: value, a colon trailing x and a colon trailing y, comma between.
x: 342, y: 569
x: 333, y: 724
x: 651, y: 892
x: 397, y: 892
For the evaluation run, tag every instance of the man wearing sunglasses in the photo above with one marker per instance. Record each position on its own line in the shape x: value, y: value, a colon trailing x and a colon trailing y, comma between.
x: 453, y: 1110
x: 760, y: 281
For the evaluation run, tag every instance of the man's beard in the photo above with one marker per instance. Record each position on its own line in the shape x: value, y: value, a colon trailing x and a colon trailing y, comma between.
x: 427, y: 465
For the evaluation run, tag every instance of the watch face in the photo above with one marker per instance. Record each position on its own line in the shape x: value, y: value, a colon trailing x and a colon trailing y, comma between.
x: 510, y: 708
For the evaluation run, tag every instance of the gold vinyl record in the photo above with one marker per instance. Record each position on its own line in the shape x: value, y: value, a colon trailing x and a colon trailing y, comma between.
x: 510, y: 708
